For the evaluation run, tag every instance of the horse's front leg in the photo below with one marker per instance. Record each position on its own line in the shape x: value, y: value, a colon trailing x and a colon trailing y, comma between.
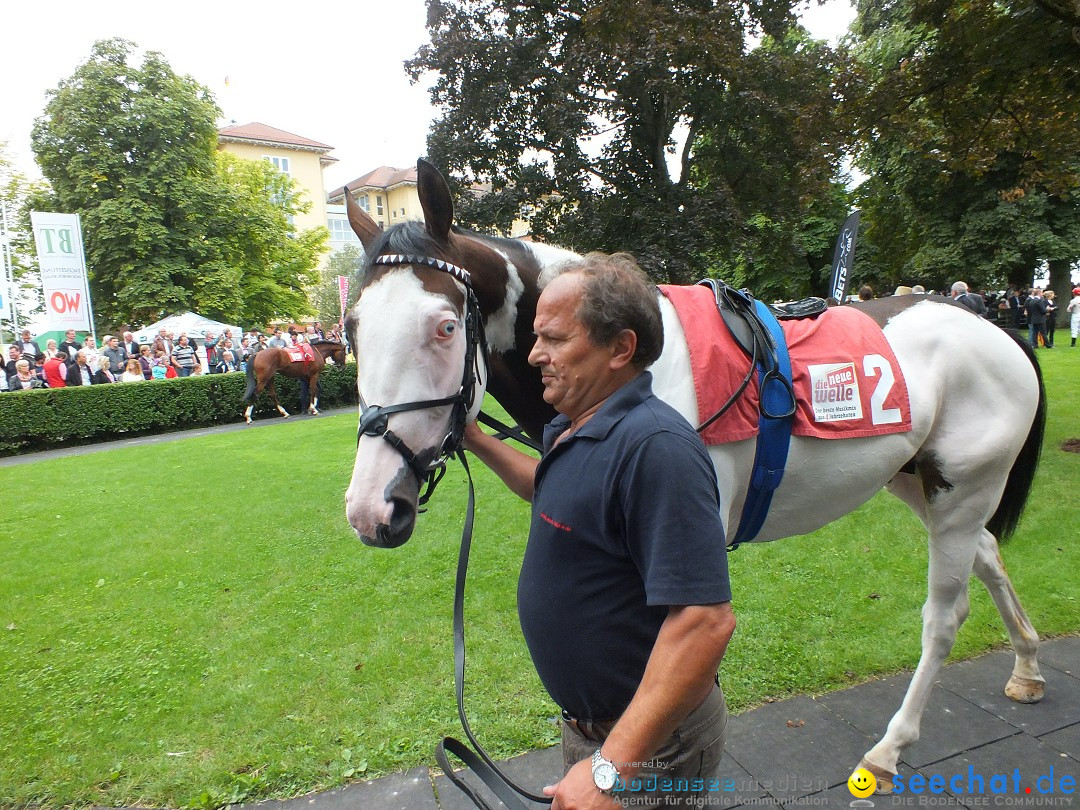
x: 313, y: 388
x: 952, y: 555
x: 273, y: 395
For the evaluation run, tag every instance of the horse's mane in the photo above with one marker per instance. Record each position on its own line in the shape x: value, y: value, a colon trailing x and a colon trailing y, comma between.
x: 412, y: 238
x: 407, y: 237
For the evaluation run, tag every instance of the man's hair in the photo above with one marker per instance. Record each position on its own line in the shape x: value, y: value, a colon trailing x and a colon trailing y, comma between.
x: 616, y: 295
x: 959, y: 288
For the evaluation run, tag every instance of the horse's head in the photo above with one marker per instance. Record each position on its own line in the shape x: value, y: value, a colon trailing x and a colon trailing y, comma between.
x: 418, y: 376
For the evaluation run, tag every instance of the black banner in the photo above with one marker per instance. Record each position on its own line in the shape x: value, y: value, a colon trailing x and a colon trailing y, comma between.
x: 843, y: 257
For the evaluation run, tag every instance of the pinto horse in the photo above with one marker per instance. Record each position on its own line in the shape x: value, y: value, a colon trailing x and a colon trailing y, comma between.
x: 965, y: 468
x: 264, y: 364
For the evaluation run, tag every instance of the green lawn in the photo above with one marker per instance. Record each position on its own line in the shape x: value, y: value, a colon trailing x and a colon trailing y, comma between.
x: 193, y: 623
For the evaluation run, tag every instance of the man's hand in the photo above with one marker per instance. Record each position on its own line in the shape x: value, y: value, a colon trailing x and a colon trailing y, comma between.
x: 577, y: 791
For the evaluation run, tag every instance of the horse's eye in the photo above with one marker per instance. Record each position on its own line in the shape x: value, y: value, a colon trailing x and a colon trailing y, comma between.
x: 447, y: 328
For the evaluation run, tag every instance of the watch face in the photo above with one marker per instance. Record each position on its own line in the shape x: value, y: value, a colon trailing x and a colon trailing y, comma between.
x: 604, y: 775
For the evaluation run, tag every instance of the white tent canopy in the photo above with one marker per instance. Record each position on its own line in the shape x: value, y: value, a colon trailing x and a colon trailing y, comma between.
x: 195, y: 326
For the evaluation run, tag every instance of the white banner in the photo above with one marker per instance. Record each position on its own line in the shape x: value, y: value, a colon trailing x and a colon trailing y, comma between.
x: 7, y: 283
x: 343, y: 294
x: 63, y: 271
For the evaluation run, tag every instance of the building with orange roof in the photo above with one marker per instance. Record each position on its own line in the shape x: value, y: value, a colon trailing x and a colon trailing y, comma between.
x: 303, y: 159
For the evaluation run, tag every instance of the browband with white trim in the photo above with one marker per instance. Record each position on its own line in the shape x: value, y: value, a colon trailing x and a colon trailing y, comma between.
x: 460, y: 273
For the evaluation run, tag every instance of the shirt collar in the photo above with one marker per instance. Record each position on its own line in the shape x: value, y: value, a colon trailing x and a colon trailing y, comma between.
x: 610, y: 413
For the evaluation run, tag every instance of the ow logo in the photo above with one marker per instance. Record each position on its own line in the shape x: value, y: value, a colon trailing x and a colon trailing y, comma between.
x: 64, y: 301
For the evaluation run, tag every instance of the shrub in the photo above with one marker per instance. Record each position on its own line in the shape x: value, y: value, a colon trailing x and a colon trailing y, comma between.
x: 61, y: 417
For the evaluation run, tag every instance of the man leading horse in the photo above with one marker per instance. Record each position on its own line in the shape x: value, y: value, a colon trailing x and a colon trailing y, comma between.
x: 623, y: 595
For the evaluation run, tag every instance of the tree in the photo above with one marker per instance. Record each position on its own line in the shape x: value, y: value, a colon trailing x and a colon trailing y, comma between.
x: 327, y: 299
x: 968, y: 116
x: 255, y: 243
x: 578, y: 109
x: 16, y: 192
x: 132, y: 149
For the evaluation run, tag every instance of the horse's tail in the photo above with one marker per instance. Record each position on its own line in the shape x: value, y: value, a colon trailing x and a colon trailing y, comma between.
x: 1018, y: 485
x: 250, y: 371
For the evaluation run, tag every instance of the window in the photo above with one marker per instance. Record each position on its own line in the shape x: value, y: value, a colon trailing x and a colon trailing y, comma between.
x: 364, y: 204
x: 340, y: 231
x: 378, y: 204
x: 279, y: 163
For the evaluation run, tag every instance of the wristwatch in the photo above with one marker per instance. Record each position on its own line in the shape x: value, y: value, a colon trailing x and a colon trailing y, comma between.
x: 604, y: 772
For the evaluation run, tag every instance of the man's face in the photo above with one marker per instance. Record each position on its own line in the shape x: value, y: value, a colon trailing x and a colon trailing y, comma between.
x: 14, y: 353
x: 69, y: 335
x: 26, y: 334
x: 574, y: 370
x: 114, y: 343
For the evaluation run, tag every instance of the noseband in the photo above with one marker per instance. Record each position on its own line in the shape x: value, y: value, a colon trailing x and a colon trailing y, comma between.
x: 374, y: 419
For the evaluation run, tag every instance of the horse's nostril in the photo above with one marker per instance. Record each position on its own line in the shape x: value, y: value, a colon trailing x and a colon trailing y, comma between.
x: 402, y: 517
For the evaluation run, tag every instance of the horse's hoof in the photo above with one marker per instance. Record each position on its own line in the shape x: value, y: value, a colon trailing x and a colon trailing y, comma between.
x: 883, y: 777
x: 1025, y: 690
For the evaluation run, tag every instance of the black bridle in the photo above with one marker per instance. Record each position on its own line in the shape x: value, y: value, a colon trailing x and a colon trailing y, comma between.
x: 374, y: 422
x: 374, y: 419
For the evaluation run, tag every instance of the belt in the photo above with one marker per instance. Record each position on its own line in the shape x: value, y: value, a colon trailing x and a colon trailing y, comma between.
x: 595, y: 730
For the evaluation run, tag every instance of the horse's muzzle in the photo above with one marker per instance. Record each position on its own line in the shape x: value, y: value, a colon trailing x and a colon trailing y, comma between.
x: 398, y: 530
x: 386, y: 520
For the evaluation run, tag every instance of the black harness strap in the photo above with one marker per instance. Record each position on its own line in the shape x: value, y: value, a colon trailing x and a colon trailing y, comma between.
x: 478, y: 760
x: 508, y: 432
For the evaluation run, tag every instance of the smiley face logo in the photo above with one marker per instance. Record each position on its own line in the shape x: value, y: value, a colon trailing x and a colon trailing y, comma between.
x: 861, y: 783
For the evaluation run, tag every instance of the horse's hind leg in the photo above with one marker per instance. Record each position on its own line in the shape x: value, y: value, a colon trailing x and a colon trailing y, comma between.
x: 1026, y: 684
x: 251, y: 403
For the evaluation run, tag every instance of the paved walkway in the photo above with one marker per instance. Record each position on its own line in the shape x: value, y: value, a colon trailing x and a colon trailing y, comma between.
x: 799, y: 752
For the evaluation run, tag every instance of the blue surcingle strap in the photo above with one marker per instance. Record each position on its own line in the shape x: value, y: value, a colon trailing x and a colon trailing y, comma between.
x: 774, y: 431
x: 392, y: 259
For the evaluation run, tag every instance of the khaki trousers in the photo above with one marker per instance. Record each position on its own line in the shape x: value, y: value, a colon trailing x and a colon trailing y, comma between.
x: 679, y: 773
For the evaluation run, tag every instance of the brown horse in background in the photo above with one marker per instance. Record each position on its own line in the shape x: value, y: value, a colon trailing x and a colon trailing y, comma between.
x: 264, y: 364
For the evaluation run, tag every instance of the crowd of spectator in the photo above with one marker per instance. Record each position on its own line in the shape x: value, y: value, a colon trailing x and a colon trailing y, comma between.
x: 122, y: 359
x: 1031, y: 310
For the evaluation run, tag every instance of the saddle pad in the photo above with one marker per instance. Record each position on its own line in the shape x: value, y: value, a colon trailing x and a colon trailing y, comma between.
x: 847, y: 381
x: 301, y: 353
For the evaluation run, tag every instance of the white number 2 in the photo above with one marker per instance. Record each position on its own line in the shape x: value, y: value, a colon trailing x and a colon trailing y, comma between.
x: 872, y: 364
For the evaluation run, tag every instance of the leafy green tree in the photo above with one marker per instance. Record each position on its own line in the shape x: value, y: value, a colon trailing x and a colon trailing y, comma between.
x: 167, y: 226
x: 262, y: 267
x: 641, y: 126
x: 326, y: 299
x: 968, y: 116
x: 16, y: 192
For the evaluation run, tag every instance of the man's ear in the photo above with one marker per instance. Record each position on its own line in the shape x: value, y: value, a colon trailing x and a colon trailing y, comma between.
x: 623, y: 348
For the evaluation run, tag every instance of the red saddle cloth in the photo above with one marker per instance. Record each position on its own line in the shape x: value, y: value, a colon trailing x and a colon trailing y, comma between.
x: 847, y: 381
x: 301, y: 353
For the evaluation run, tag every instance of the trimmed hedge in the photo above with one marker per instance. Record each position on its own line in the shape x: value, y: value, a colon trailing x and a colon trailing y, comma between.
x: 61, y: 417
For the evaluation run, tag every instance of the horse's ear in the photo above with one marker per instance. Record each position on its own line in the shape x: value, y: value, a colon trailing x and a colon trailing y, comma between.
x: 363, y: 225
x: 435, y: 200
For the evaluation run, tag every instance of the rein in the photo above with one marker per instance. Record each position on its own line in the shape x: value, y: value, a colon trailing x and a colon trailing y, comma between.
x: 374, y: 421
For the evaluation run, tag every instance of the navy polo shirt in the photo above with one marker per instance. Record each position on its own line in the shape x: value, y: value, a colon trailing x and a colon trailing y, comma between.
x: 625, y: 522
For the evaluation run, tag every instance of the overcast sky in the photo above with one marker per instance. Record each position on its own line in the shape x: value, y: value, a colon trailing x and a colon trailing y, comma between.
x: 330, y: 72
